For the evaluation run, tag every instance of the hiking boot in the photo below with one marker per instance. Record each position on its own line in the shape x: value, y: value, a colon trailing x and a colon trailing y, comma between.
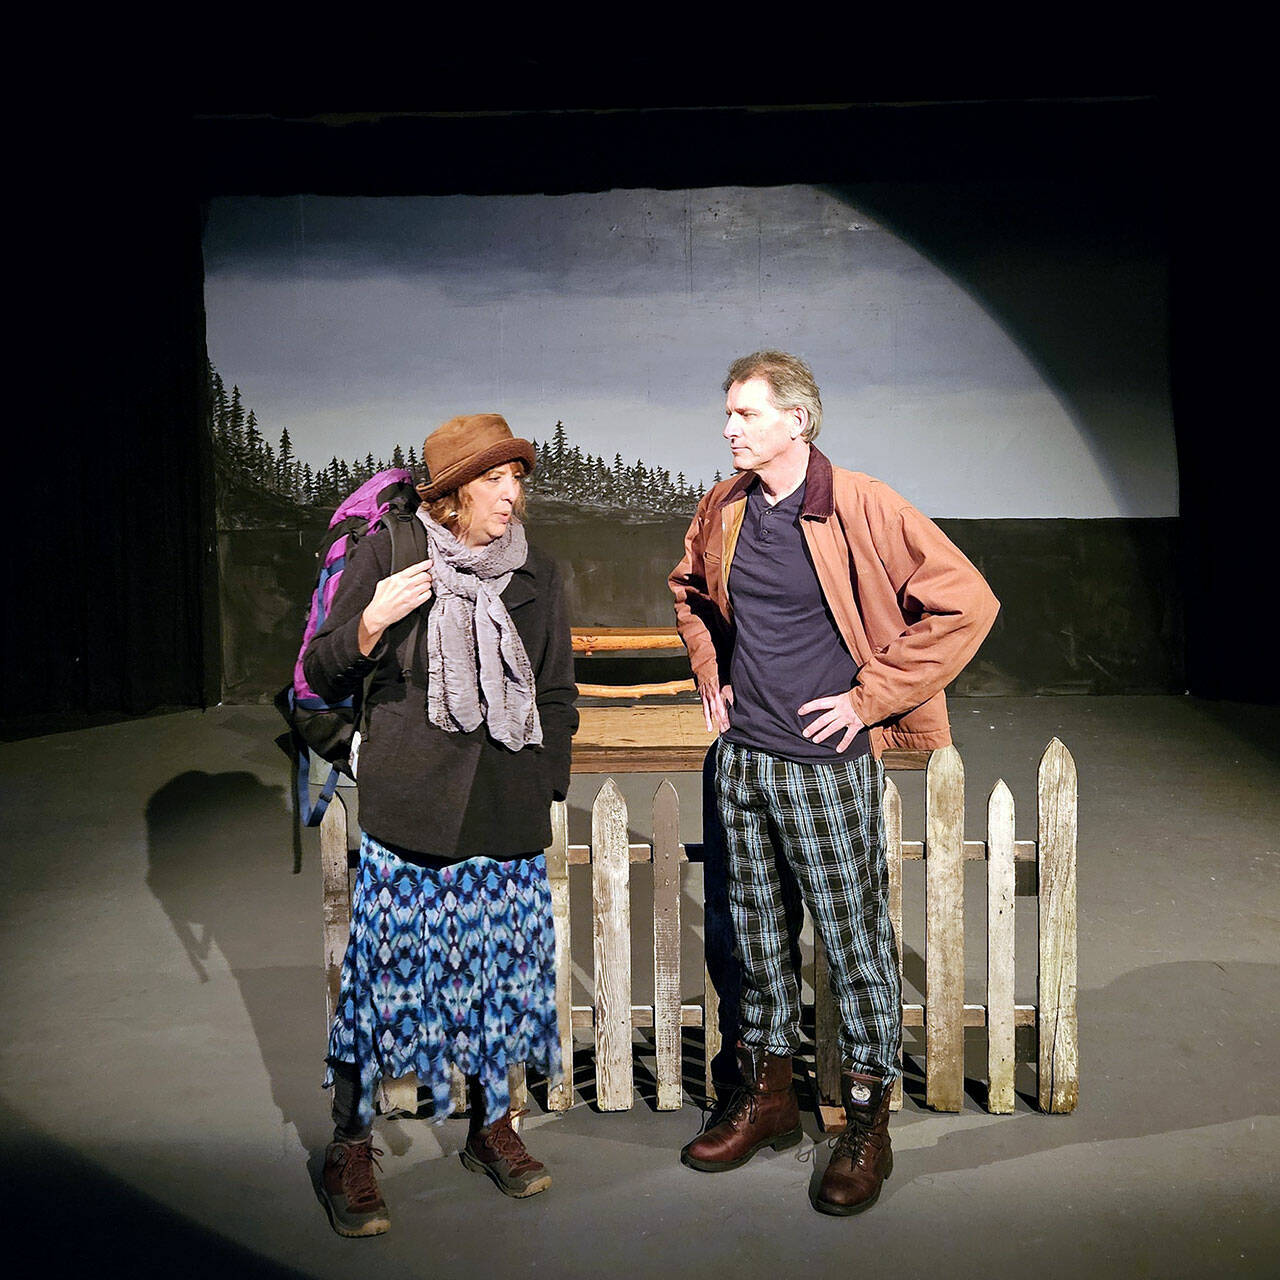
x: 863, y: 1156
x: 763, y: 1113
x: 499, y: 1151
x: 350, y: 1190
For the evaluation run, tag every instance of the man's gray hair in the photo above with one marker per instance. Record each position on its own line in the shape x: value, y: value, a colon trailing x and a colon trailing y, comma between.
x: 790, y: 380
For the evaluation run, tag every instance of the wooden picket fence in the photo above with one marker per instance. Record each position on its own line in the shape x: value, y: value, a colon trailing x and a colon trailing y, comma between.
x: 612, y: 1017
x: 945, y: 1015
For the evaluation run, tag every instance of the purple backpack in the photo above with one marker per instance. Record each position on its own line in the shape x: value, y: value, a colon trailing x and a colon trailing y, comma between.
x: 386, y: 500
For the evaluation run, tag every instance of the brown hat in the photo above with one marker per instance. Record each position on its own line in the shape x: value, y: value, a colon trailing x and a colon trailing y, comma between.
x: 466, y: 447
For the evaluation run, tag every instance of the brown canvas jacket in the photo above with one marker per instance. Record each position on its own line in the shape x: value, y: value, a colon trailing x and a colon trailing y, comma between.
x: 910, y: 607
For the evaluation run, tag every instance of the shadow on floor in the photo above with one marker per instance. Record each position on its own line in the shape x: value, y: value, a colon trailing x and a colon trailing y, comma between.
x: 1171, y: 1047
x: 105, y: 1228
x: 221, y: 866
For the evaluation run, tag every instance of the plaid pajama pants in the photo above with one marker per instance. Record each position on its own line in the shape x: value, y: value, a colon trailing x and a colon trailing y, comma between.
x: 823, y: 823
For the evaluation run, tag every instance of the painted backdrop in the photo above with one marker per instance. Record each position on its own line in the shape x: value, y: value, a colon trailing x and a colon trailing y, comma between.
x: 342, y: 330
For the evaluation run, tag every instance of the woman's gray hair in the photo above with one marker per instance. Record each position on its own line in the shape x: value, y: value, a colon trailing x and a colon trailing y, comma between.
x: 790, y: 380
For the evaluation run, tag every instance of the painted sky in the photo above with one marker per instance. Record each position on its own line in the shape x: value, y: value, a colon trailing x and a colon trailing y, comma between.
x: 361, y: 322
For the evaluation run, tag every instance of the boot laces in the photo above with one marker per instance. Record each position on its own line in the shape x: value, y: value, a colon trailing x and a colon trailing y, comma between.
x: 507, y: 1143
x: 358, y: 1182
x: 743, y: 1105
x: 849, y: 1143
x: 852, y: 1143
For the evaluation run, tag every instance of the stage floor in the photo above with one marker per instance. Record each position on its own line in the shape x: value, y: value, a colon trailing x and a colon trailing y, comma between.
x: 164, y: 1033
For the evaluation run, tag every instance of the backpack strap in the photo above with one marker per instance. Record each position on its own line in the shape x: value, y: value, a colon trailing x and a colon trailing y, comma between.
x: 300, y: 752
x: 409, y: 545
x: 311, y: 814
x: 408, y: 537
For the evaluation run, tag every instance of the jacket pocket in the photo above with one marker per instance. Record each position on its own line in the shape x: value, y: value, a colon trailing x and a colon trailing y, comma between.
x: 544, y: 774
x: 712, y: 571
x: 380, y: 746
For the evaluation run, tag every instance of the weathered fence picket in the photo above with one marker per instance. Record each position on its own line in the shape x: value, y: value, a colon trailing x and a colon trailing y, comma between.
x: 1058, y: 1065
x: 944, y: 931
x: 944, y: 1015
x: 560, y: 1096
x: 667, y: 1016
x: 611, y: 931
x: 1000, y: 950
x: 336, y: 882
x: 666, y: 945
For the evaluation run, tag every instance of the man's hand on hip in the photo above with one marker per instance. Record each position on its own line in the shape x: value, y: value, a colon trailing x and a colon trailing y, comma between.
x: 716, y: 702
x: 839, y: 715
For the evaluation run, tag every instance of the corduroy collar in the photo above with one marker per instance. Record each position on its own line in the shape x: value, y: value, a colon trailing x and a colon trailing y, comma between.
x: 819, y: 499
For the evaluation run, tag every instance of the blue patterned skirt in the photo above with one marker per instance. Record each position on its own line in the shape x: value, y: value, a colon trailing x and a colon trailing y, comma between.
x: 447, y: 967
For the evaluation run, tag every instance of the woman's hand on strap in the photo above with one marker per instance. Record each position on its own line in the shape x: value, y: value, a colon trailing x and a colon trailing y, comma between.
x: 395, y: 597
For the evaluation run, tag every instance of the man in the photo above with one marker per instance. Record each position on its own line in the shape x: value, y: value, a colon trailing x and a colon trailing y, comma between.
x: 823, y: 615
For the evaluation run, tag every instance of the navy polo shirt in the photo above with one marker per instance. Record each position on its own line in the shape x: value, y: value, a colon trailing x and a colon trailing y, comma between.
x: 788, y: 649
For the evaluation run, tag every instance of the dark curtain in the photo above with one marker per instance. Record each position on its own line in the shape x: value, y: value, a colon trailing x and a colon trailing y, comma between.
x: 112, y: 598
x: 113, y: 587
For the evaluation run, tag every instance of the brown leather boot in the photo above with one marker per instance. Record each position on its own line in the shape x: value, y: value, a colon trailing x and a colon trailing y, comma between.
x: 863, y: 1156
x: 350, y: 1189
x: 762, y: 1113
x: 498, y: 1151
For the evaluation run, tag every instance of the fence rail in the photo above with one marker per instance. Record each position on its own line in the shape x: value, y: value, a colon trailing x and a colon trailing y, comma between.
x: 612, y: 1017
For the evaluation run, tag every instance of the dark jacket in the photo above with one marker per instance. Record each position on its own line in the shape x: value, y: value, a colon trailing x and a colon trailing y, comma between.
x: 421, y: 789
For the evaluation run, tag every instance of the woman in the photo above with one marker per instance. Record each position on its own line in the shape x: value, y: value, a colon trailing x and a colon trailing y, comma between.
x: 469, y: 719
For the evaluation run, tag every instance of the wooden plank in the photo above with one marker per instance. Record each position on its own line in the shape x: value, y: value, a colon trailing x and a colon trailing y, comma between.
x: 638, y: 759
x: 584, y: 1016
x: 1000, y: 950
x: 944, y: 931
x: 560, y: 1096
x: 975, y: 1015
x: 518, y: 1089
x: 580, y: 854
x: 641, y: 739
x: 831, y: 1116
x: 974, y: 850
x: 1058, y: 1058
x: 611, y: 897
x: 400, y: 1094
x: 712, y: 1042
x: 671, y: 738
x: 664, y: 738
x: 678, y: 725
x: 826, y: 1027
x: 666, y: 944
x: 657, y: 689
x: 905, y: 760
x: 613, y: 639
x: 891, y: 807
x: 336, y: 889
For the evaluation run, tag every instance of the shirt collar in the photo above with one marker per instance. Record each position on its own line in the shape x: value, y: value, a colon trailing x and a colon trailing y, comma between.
x: 818, y: 491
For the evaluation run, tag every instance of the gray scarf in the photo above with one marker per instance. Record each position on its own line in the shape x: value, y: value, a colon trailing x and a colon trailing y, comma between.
x: 478, y: 669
